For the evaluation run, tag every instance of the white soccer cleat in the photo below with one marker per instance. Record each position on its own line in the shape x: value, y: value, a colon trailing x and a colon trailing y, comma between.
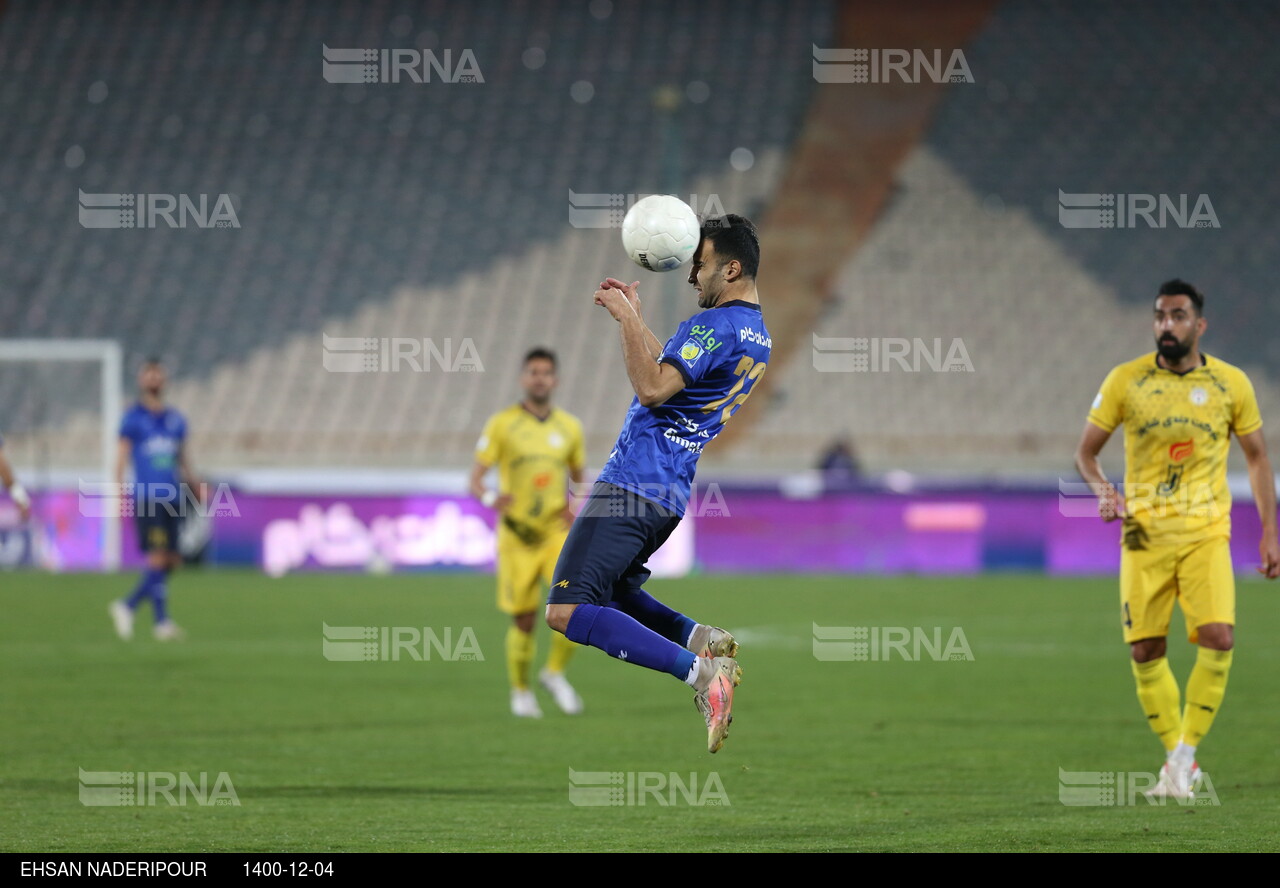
x: 560, y: 689
x: 168, y: 631
x: 712, y: 641
x: 123, y: 618
x: 524, y: 704
x: 1176, y: 782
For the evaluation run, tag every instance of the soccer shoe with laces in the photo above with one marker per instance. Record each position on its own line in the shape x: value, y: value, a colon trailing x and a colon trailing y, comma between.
x: 1176, y: 782
x: 561, y: 691
x: 168, y: 631
x: 123, y: 618
x: 524, y: 704
x: 715, y: 701
x: 712, y: 641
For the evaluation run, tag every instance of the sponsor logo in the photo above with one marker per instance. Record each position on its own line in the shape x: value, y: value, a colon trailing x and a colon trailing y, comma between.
x: 690, y: 351
x: 746, y: 334
x: 706, y: 334
x: 1181, y: 450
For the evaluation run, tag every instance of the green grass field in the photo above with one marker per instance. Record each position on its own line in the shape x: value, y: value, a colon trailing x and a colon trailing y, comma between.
x: 423, y: 755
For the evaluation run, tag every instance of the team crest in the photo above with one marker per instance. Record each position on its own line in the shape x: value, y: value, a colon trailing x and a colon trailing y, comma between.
x: 1199, y: 396
x: 690, y: 351
x: 554, y: 439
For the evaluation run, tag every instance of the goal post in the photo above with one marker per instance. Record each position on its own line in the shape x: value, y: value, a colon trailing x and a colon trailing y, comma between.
x: 109, y: 357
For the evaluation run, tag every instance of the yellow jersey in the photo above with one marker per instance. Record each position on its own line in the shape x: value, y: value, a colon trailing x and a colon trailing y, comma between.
x: 534, y: 457
x: 1177, y: 433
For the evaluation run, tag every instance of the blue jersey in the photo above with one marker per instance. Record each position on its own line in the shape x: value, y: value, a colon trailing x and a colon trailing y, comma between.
x: 157, y: 441
x: 720, y: 352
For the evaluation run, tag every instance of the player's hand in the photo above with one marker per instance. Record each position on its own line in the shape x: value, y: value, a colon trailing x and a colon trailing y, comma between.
x: 628, y: 290
x: 501, y: 503
x: 615, y: 301
x: 1270, y: 552
x: 567, y: 515
x: 1110, y: 504
x: 25, y: 511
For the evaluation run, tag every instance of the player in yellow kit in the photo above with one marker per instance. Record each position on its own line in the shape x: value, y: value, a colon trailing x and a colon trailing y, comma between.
x: 1179, y: 408
x: 538, y: 449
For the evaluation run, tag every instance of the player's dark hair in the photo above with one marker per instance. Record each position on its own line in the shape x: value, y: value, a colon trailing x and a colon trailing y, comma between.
x: 734, y: 237
x: 151, y: 361
x: 540, y: 354
x: 1179, y: 287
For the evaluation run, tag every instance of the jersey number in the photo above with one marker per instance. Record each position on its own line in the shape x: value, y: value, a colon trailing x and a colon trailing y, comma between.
x: 746, y: 371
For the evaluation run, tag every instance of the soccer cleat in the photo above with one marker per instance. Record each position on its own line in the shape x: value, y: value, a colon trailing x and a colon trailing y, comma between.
x: 712, y: 641
x: 168, y: 631
x: 560, y: 689
x: 715, y: 702
x: 123, y: 618
x: 1176, y: 782
x: 524, y: 704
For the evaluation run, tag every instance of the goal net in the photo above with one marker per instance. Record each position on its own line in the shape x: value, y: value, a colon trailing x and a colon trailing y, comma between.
x: 60, y: 407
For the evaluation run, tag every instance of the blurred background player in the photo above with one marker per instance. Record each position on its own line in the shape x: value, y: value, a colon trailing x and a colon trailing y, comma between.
x: 1179, y: 408
x: 153, y: 436
x: 16, y: 491
x: 537, y: 448
x: 685, y: 391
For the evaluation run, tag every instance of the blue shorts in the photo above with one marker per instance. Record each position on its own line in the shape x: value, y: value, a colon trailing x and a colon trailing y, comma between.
x: 157, y: 525
x: 613, y: 536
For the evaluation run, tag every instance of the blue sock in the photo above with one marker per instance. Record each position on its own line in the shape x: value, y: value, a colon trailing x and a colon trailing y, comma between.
x: 160, y: 597
x: 143, y: 589
x: 619, y: 636
x: 649, y: 611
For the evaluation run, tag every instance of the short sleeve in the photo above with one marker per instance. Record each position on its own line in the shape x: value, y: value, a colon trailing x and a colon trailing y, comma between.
x: 489, y: 447
x: 1107, y: 411
x: 1245, y: 416
x: 126, y: 426
x: 699, y: 346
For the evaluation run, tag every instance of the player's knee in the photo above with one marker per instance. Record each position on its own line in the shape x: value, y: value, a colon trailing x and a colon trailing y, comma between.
x: 1217, y: 636
x: 558, y: 615
x: 1148, y: 649
x: 524, y: 622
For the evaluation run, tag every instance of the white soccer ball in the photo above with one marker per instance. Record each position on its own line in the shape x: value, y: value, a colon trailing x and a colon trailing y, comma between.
x: 660, y: 232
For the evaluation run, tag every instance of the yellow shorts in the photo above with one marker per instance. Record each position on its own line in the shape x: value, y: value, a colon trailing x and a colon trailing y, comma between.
x: 1198, y: 574
x: 525, y: 570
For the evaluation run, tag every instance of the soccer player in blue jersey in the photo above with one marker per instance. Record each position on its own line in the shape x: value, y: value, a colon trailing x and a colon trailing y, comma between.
x: 685, y: 391
x: 153, y: 437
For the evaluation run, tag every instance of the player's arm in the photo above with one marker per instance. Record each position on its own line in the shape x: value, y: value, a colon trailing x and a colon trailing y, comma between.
x: 187, y: 474
x: 124, y: 452
x: 490, y: 498
x: 1263, y: 481
x: 1110, y: 502
x: 654, y: 383
x: 17, y: 492
x: 629, y: 290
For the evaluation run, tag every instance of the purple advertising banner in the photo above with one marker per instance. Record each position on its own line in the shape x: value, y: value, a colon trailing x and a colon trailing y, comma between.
x: 753, y: 530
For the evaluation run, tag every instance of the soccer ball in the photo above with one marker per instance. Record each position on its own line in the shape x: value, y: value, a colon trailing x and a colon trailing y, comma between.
x: 660, y: 232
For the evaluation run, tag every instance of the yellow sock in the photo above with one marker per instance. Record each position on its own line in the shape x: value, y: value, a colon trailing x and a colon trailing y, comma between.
x: 1205, y: 689
x: 520, y: 650
x: 1158, y: 694
x: 561, y: 650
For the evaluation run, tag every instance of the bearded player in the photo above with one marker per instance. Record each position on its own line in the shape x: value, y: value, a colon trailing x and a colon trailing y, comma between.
x: 537, y: 448
x: 1179, y: 408
x: 685, y: 391
x: 153, y: 437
